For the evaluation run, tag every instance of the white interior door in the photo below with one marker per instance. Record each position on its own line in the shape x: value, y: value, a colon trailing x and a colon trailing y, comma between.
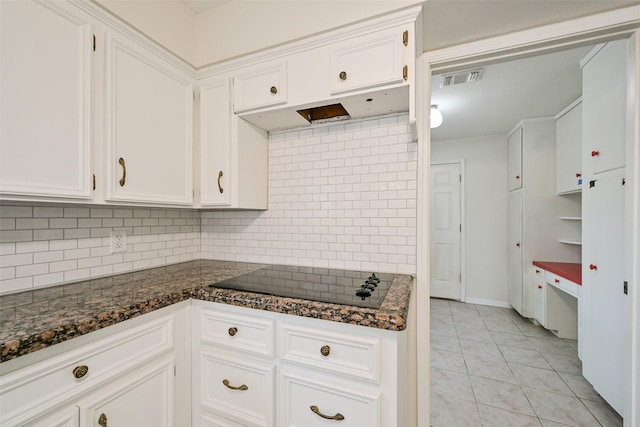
x: 446, y: 229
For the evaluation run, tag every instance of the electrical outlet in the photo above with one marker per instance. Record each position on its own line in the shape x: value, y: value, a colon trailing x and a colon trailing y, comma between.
x: 118, y: 241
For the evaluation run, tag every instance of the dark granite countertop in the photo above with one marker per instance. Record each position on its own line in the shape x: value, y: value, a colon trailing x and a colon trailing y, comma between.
x: 33, y: 320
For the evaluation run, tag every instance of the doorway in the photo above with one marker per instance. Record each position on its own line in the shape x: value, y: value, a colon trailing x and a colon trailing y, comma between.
x: 446, y: 231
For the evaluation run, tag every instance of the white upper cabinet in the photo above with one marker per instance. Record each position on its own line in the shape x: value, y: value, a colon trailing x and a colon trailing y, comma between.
x: 569, y: 149
x: 233, y: 152
x: 261, y: 87
x: 368, y: 61
x: 148, y: 129
x: 604, y: 98
x: 515, y: 160
x: 46, y: 69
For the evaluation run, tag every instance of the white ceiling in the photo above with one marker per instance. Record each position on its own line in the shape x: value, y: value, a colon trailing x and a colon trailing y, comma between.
x: 199, y: 6
x: 507, y: 93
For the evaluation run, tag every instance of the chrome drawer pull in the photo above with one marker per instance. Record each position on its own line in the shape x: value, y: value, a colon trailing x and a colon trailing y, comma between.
x: 229, y: 386
x: 337, y: 417
x: 80, y: 371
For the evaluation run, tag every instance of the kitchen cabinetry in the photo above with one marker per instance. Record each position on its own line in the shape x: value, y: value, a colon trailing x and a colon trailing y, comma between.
x: 47, y: 78
x: 603, y: 204
x: 148, y: 108
x: 369, y: 61
x: 604, y: 92
x: 569, y: 149
x: 540, y: 297
x: 125, y: 371
x: 532, y: 224
x: 143, y: 399
x: 325, y: 371
x: 261, y: 87
x: 234, y: 153
x: 515, y: 160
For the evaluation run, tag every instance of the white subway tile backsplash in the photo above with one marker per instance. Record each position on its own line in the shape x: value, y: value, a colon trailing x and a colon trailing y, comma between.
x: 336, y: 193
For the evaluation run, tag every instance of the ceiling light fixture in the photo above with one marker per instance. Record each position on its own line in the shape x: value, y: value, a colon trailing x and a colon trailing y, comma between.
x: 435, y: 117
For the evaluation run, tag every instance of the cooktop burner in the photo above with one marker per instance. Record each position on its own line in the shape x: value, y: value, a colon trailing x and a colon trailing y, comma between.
x: 317, y: 284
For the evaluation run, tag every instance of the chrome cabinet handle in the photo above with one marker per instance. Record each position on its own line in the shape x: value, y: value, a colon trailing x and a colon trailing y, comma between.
x: 229, y: 386
x: 220, y: 174
x: 124, y: 172
x: 337, y: 417
x: 80, y: 371
x: 102, y: 420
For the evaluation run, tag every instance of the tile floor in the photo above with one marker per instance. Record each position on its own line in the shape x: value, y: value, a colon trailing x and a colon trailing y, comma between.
x: 491, y: 367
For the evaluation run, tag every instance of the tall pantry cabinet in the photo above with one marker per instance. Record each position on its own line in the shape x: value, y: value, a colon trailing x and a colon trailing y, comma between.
x: 533, y: 208
x: 603, y: 200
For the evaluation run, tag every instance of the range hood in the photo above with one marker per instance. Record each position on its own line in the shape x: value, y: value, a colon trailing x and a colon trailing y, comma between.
x: 369, y: 104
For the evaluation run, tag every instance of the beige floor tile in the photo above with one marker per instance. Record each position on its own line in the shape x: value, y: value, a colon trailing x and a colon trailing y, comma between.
x: 474, y: 333
x: 445, y: 342
x: 447, y: 411
x: 522, y: 356
x: 547, y: 423
x: 567, y: 364
x: 513, y: 340
x: 486, y: 366
x: 479, y: 347
x: 494, y: 417
x: 580, y: 386
x: 560, y: 408
x: 542, y: 379
x: 604, y: 413
x: 451, y: 383
x: 448, y: 360
x: 501, y: 395
x: 500, y: 325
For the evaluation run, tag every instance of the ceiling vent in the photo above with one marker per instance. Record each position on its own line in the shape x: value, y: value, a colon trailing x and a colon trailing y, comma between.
x: 461, y: 77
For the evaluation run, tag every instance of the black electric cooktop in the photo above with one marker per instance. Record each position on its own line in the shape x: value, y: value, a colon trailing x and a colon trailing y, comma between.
x: 358, y: 288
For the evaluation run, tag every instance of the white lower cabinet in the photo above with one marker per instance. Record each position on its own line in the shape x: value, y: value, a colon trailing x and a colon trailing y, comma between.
x: 540, y: 296
x: 65, y: 417
x: 126, y: 371
x: 294, y: 371
x: 142, y: 399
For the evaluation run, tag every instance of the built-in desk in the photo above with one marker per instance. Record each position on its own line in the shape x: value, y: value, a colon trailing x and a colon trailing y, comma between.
x: 557, y: 300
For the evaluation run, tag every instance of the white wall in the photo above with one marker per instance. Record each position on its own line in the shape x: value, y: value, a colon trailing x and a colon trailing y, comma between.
x: 340, y: 196
x: 486, y: 212
x: 168, y: 22
x: 239, y: 27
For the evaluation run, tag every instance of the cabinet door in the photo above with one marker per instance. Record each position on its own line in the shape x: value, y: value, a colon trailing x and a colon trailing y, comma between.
x: 368, y: 61
x: 142, y: 399
x: 215, y: 135
x: 67, y: 417
x: 148, y: 126
x: 259, y: 88
x: 46, y: 68
x: 540, y: 296
x: 604, y: 100
x: 601, y: 291
x: 569, y: 151
x: 515, y: 250
x: 515, y: 160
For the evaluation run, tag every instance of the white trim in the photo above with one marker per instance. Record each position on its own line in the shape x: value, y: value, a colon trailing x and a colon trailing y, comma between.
x: 490, y: 302
x: 569, y: 107
x: 530, y: 120
x: 592, y: 29
x: 367, y: 26
x: 463, y: 217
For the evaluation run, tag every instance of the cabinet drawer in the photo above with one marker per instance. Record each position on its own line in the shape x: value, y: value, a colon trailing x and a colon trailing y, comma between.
x: 563, y: 284
x: 345, y: 354
x: 260, y: 88
x: 238, y: 332
x: 241, y: 390
x: 368, y: 61
x: 309, y: 402
x: 43, y: 384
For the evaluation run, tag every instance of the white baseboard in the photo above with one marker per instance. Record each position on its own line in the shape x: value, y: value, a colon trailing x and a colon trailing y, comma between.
x: 491, y: 302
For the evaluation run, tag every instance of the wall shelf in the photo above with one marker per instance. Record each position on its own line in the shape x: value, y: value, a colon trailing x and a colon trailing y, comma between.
x: 571, y: 242
x: 571, y: 218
